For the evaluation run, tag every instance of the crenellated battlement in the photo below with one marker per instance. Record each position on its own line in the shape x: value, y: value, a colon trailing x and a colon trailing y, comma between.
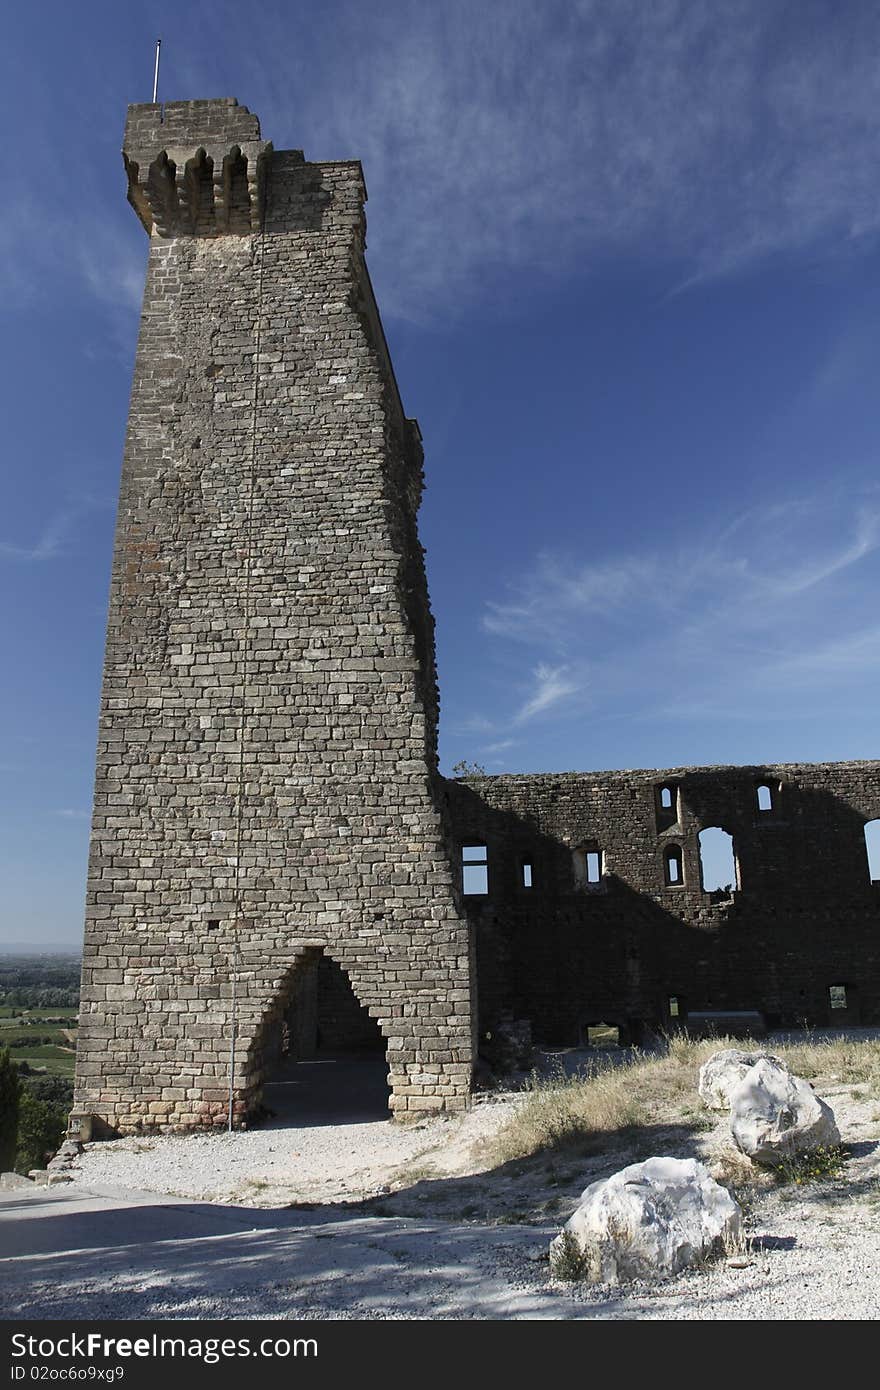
x: 196, y: 168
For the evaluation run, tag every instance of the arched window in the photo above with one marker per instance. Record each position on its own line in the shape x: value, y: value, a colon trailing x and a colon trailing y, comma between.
x: 718, y: 868
x: 765, y: 796
x: 666, y: 804
x: 673, y: 868
x: 872, y: 845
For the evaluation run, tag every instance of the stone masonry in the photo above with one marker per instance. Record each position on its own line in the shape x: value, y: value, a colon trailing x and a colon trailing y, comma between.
x: 274, y: 857
x: 797, y: 937
x: 267, y: 789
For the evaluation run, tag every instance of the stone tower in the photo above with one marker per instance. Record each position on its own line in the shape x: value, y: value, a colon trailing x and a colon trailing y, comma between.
x: 267, y: 793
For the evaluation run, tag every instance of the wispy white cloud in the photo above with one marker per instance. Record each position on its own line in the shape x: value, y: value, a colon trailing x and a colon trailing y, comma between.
x: 545, y: 135
x: 737, y: 620
x: 95, y: 254
x: 552, y: 684
x: 57, y: 538
x: 112, y: 265
x: 71, y: 813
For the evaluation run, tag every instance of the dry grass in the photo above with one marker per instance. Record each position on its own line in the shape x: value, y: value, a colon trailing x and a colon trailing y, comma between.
x: 569, y: 1112
x: 839, y: 1059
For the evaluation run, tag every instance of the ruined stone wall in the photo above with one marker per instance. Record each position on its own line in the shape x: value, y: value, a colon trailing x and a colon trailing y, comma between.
x: 342, y: 1024
x: 266, y: 773
x: 566, y: 953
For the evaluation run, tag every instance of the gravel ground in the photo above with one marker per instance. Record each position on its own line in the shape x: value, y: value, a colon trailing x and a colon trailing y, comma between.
x: 283, y: 1164
x: 812, y: 1259
x: 382, y: 1221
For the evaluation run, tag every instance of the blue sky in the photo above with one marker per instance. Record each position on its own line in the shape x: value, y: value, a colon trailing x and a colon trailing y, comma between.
x: 628, y: 261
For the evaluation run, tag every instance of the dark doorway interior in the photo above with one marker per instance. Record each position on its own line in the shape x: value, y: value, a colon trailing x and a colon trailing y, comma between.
x: 326, y: 1058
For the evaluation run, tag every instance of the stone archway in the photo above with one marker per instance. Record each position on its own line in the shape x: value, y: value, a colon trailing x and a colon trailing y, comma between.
x: 319, y: 1055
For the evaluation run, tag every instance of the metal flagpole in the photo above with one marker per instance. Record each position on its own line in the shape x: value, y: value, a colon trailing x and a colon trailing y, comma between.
x: 156, y: 71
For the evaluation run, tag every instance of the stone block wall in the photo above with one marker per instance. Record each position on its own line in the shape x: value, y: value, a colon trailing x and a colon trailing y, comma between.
x: 268, y: 811
x: 266, y: 783
x: 803, y: 916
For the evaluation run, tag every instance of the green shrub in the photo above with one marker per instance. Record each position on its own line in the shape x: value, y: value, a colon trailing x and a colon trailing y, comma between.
x: 41, y: 1128
x: 10, y: 1093
x: 57, y: 1090
x: 568, y: 1261
x: 819, y: 1164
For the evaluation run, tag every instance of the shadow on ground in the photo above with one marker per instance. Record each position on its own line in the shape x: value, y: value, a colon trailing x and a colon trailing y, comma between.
x: 542, y: 1187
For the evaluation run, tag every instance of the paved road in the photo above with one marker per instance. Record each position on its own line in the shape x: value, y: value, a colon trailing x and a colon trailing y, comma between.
x: 70, y: 1252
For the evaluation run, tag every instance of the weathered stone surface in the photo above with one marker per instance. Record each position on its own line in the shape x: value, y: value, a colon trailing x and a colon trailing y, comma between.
x: 650, y: 1220
x: 635, y: 950
x: 10, y: 1181
x: 267, y: 791
x: 775, y: 1115
x: 724, y: 1070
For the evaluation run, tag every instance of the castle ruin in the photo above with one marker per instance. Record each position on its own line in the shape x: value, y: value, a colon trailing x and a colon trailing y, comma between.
x: 274, y: 855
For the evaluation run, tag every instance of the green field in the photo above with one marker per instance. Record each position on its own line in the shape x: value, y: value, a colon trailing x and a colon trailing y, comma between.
x: 26, y: 1031
x: 14, y: 1011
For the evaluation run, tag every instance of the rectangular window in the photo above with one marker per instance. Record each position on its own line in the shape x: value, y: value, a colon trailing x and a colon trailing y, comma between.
x: 673, y: 1006
x: 526, y: 874
x: 837, y: 996
x: 594, y: 866
x: 474, y: 870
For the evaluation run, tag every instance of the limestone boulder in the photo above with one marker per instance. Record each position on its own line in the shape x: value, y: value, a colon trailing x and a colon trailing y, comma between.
x: 775, y: 1116
x: 648, y: 1221
x: 725, y: 1070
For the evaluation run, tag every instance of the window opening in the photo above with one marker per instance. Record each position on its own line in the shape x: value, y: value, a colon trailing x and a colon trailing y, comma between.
x: 474, y: 870
x: 602, y: 1035
x: 666, y: 804
x: 718, y: 870
x: 872, y: 845
x: 765, y: 797
x: 673, y: 866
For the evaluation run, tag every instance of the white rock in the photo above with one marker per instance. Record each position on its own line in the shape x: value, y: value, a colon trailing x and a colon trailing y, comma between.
x: 775, y: 1115
x: 725, y: 1070
x: 649, y: 1220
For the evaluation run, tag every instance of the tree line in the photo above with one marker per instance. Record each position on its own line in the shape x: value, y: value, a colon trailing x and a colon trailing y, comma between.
x: 33, y: 1116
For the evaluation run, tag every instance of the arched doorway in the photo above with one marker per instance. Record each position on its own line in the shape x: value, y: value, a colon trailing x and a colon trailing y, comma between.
x: 319, y: 1057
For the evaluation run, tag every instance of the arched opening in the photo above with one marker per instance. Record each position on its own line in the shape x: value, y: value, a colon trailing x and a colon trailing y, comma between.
x: 673, y: 866
x: 319, y: 1056
x: 718, y: 867
x: 666, y: 805
x: 872, y: 845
